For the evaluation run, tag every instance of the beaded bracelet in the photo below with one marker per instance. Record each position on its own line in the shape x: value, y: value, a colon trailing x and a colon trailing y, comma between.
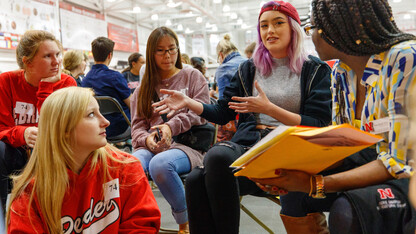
x: 320, y: 188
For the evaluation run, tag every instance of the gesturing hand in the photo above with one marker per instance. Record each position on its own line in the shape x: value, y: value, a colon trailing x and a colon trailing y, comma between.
x: 169, y: 105
x: 258, y: 104
x: 31, y: 134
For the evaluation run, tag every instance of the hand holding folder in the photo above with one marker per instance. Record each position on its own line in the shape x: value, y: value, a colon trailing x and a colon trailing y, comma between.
x: 307, y: 149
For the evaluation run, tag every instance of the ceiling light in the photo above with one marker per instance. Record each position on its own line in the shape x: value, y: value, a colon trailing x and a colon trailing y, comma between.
x: 199, y: 19
x: 168, y: 23
x: 233, y: 15
x: 226, y: 8
x: 396, y: 1
x: 407, y: 16
x: 244, y: 25
x: 207, y: 25
x: 214, y: 28
x: 187, y: 31
x: 137, y: 9
x: 171, y: 4
x: 154, y: 17
x: 217, y: 1
x: 180, y: 27
x: 239, y: 21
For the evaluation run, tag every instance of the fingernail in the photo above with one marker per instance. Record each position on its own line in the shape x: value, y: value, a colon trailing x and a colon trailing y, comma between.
x: 277, y: 172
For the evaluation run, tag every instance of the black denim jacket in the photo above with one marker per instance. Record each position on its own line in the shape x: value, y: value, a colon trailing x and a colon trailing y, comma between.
x: 315, y: 109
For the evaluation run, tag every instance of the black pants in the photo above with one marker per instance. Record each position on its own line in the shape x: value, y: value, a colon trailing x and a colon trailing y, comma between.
x: 212, y: 192
x: 12, y: 160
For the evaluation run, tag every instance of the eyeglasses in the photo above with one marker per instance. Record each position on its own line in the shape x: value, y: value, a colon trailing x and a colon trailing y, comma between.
x: 170, y: 51
x: 308, y: 29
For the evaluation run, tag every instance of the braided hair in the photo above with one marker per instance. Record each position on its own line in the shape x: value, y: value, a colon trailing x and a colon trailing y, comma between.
x: 357, y: 27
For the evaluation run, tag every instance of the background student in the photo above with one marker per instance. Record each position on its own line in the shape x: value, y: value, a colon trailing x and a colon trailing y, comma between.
x: 22, y: 92
x: 75, y: 62
x: 132, y: 72
x: 107, y: 82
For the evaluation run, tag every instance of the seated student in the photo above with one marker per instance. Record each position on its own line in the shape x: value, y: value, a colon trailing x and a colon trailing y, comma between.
x: 199, y: 64
x: 74, y: 181
x: 75, y: 63
x: 132, y: 72
x: 163, y: 158
x: 22, y: 92
x: 229, y: 59
x: 367, y: 192
x: 249, y: 50
x: 282, y: 86
x: 186, y: 62
x: 106, y: 82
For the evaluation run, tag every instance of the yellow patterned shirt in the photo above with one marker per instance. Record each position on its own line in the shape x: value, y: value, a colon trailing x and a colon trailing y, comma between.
x: 388, y: 78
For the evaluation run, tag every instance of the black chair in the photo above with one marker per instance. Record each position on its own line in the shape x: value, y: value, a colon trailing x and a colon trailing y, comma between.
x: 110, y: 105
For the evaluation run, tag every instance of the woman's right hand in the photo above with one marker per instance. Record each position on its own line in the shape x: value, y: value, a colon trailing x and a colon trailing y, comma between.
x: 31, y: 134
x: 175, y: 101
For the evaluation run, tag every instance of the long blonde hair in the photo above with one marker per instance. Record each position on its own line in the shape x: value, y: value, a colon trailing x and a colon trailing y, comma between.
x: 52, y: 155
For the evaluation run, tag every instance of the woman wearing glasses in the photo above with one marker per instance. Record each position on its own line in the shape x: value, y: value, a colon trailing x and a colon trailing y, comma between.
x: 162, y: 158
x: 279, y: 86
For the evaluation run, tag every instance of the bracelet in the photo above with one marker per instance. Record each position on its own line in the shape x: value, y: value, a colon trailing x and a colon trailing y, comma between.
x: 312, y: 182
x: 320, y: 188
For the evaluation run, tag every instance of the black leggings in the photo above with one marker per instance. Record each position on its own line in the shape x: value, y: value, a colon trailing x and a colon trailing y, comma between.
x: 12, y: 160
x: 212, y: 192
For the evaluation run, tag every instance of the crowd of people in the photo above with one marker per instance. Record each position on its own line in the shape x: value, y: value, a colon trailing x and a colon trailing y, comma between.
x: 63, y: 175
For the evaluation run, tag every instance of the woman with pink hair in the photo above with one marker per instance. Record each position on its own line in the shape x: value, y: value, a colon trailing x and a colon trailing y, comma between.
x: 281, y: 85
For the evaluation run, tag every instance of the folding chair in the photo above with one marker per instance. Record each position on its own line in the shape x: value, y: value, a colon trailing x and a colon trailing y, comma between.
x: 110, y: 105
x: 272, y: 198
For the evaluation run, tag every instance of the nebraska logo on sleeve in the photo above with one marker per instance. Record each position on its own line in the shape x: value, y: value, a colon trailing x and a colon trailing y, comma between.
x: 97, y: 217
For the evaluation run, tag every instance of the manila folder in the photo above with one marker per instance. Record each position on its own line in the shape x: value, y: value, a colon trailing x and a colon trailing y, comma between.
x: 301, y: 148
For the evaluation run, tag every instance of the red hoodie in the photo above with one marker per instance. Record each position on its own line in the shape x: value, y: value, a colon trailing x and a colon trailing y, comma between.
x: 128, y: 204
x: 20, y: 104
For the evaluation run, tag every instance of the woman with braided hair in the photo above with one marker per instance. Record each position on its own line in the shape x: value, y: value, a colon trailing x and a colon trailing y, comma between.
x: 366, y: 192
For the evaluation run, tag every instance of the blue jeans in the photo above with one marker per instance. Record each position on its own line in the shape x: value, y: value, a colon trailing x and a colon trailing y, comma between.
x: 165, y: 168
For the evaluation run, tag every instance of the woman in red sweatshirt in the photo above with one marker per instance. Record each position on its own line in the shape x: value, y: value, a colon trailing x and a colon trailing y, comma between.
x: 74, y: 181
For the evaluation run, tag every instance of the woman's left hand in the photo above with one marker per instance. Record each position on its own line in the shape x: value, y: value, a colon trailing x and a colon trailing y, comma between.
x: 285, y: 180
x: 258, y: 104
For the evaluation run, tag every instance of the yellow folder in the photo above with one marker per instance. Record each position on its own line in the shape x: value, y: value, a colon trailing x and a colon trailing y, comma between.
x: 302, y: 148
